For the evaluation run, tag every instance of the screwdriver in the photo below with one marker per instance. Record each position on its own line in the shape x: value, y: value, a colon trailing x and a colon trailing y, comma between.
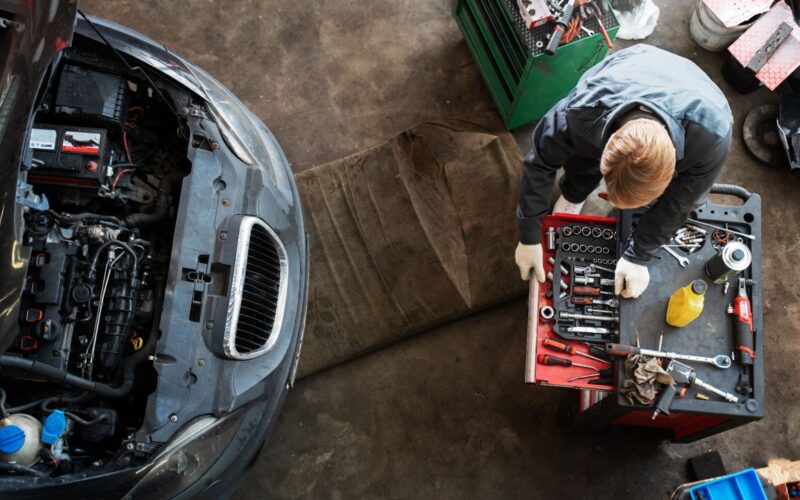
x: 561, y: 346
x: 587, y: 290
x: 605, y: 374
x: 547, y: 359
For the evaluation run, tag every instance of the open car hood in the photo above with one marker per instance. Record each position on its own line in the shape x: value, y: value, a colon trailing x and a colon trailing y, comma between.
x: 32, y: 32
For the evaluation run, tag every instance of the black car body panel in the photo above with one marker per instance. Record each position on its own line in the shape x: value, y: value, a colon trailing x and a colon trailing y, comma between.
x: 34, y: 39
x: 193, y: 379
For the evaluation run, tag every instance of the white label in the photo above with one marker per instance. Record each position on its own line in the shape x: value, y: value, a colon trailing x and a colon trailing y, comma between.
x: 81, y: 142
x: 43, y: 139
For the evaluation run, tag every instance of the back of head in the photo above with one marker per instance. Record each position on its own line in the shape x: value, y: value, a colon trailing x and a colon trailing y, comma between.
x: 638, y: 163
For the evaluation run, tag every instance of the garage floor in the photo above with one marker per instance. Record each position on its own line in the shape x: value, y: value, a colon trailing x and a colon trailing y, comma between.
x: 446, y: 414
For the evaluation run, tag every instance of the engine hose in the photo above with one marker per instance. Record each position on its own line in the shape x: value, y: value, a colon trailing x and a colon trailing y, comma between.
x: 10, y: 467
x: 732, y: 190
x: 128, y: 373
x: 93, y: 263
x: 83, y: 216
x: 161, y: 209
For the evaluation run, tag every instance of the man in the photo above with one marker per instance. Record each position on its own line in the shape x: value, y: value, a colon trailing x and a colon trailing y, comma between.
x: 650, y: 123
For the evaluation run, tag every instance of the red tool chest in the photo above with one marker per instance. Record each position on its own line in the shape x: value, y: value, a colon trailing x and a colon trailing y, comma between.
x: 603, y: 409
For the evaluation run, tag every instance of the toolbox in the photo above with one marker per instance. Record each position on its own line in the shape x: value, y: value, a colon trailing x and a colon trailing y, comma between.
x: 523, y: 81
x: 642, y: 322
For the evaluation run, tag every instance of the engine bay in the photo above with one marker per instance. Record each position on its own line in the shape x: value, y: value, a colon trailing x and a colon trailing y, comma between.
x: 108, y: 152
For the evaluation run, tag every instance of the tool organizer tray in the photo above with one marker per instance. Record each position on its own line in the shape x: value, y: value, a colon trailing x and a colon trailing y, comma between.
x: 587, y: 243
x: 713, y: 332
x: 539, y: 330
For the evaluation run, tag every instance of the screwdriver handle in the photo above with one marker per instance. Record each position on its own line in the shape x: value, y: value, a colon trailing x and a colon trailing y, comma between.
x: 586, y: 290
x: 547, y: 359
x: 599, y: 352
x: 621, y: 349
x: 561, y: 26
x: 582, y: 300
x: 558, y: 346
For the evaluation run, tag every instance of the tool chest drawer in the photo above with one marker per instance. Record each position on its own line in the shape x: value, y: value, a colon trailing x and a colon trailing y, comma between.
x: 579, y: 245
x: 719, y: 376
x: 523, y: 81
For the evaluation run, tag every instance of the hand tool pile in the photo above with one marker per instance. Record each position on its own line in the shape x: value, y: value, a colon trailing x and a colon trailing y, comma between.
x: 584, y: 304
x: 731, y: 259
x: 582, y: 258
x: 572, y: 20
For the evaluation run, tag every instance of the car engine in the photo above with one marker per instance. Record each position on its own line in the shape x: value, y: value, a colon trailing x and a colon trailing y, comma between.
x: 98, y: 196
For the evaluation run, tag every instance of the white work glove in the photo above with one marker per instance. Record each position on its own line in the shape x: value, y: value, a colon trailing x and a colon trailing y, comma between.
x: 630, y: 280
x: 530, y: 257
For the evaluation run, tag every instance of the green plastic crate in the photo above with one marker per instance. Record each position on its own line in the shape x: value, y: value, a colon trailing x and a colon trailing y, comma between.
x: 523, y: 81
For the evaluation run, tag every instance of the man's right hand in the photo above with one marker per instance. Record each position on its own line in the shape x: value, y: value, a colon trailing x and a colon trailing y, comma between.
x: 530, y: 259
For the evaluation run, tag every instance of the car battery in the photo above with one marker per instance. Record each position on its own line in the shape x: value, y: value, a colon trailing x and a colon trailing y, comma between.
x: 65, y: 154
x: 91, y: 97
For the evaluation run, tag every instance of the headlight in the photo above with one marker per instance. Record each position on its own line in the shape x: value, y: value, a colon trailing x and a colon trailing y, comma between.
x: 238, y: 130
x: 187, y: 457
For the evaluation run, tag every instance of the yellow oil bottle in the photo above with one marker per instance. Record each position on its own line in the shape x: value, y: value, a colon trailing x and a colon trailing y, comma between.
x: 686, y: 303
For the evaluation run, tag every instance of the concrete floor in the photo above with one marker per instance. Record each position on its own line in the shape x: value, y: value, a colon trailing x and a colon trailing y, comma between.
x: 446, y: 414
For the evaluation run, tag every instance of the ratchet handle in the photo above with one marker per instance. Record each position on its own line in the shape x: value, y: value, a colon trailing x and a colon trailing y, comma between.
x: 621, y: 349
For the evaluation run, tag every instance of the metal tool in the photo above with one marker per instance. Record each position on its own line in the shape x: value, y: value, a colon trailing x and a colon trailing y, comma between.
x: 712, y: 226
x: 561, y: 26
x: 583, y: 280
x: 595, y: 310
x: 551, y: 239
x: 685, y: 372
x: 683, y: 261
x: 569, y: 315
x: 684, y: 376
x: 597, y: 302
x: 588, y: 329
x: 720, y: 361
x: 604, y: 269
x: 562, y: 283
x: 585, y: 290
x: 552, y: 262
x: 744, y: 338
x: 561, y: 346
x: 549, y: 359
x: 547, y: 313
x: 599, y: 17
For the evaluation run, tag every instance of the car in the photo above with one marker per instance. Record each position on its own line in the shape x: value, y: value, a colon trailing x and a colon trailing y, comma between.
x: 154, y: 261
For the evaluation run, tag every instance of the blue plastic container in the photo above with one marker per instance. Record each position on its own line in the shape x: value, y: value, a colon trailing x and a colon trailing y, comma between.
x: 742, y: 485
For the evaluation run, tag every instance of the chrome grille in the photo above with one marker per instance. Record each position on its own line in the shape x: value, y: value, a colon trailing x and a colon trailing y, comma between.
x: 258, y: 292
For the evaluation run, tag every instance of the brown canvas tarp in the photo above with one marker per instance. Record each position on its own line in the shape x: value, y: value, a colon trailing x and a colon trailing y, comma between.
x: 409, y: 234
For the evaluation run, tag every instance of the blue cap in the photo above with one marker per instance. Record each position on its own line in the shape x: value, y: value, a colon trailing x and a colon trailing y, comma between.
x: 11, y: 439
x: 54, y: 426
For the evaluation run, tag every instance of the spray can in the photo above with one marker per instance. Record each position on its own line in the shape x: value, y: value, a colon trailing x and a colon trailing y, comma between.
x: 734, y: 258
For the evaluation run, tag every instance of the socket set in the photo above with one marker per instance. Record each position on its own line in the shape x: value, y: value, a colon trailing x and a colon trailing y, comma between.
x: 584, y: 255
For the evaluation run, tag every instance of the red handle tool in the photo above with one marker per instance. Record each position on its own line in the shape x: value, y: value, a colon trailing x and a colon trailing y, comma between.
x: 743, y: 325
x: 547, y: 359
x: 561, y: 346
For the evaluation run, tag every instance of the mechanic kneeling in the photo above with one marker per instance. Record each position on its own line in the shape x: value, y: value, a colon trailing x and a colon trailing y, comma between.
x: 654, y: 126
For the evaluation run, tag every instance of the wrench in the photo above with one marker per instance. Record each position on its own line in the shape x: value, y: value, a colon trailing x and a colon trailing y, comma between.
x: 720, y: 361
x: 683, y: 261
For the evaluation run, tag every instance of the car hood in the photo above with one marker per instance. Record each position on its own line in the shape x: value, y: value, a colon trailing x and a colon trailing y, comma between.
x: 31, y: 35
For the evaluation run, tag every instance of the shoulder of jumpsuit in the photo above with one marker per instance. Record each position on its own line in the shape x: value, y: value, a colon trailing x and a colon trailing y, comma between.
x: 674, y: 127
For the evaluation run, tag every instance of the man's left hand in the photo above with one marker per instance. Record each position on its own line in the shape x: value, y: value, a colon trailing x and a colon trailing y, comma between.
x: 630, y: 280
